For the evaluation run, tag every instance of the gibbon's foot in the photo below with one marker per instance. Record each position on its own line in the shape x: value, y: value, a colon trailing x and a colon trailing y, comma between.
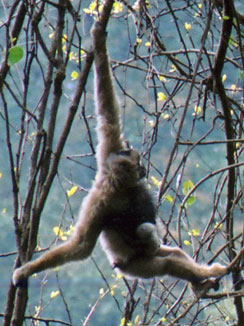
x: 202, y: 287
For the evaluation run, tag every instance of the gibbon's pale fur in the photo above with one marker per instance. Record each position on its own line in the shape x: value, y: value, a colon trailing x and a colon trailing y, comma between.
x: 119, y: 207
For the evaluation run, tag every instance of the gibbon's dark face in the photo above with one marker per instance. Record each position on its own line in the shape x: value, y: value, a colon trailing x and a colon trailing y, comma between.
x: 130, y: 153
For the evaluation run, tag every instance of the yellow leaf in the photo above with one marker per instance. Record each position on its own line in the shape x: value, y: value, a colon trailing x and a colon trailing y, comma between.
x: 54, y: 294
x: 119, y: 276
x: 74, y: 75
x: 188, y: 27
x: 148, y: 44
x: 87, y: 11
x: 161, y: 97
x: 163, y: 320
x: 197, y: 110
x: 162, y: 79
x: 122, y: 322
x: 169, y: 198
x: 173, y: 68
x: 136, y: 321
x: 224, y: 77
x: 101, y: 291
x: 56, y: 230
x: 138, y: 40
x: 187, y: 242
x: 64, y: 38
x: 72, y: 56
x: 195, y: 232
x: 218, y: 226
x: 117, y: 7
x: 51, y: 35
x: 72, y: 191
x: 166, y: 116
x: 1, y: 175
x: 136, y: 5
x: 155, y: 181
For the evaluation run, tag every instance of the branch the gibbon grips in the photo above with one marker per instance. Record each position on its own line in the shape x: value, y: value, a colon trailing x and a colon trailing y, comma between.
x: 119, y: 207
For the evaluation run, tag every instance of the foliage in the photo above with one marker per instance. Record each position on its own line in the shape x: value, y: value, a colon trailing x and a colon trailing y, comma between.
x: 178, y: 70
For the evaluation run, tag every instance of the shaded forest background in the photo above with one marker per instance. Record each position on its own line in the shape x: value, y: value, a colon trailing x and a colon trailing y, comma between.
x: 178, y: 71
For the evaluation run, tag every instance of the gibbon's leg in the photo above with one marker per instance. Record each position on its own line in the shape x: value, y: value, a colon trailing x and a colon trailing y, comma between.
x: 175, y: 262
x: 79, y: 247
x: 67, y: 252
x: 200, y: 272
x: 107, y: 107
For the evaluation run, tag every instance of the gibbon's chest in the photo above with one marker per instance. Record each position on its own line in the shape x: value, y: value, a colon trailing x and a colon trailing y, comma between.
x: 127, y: 210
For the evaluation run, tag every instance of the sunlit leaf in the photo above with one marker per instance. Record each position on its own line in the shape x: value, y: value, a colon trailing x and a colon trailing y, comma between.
x: 194, y: 233
x: 137, y: 318
x: 156, y: 182
x: 72, y: 191
x: 54, y: 294
x: 218, y: 226
x: 173, y: 68
x: 224, y: 77
x: 162, y: 79
x: 188, y: 27
x: 197, y: 111
x: 161, y: 96
x: 74, y: 75
x: 138, y: 40
x: 117, y: 7
x: 187, y: 242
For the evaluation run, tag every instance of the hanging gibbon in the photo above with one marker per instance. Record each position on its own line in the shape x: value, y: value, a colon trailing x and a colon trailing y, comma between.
x: 119, y: 208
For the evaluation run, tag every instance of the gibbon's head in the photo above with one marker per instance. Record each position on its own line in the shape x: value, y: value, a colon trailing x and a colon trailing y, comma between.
x: 125, y: 167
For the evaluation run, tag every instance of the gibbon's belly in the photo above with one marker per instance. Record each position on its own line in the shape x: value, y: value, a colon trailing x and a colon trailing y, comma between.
x: 116, y: 249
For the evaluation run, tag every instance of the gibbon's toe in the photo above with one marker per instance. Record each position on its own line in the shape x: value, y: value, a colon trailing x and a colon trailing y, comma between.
x: 19, y: 280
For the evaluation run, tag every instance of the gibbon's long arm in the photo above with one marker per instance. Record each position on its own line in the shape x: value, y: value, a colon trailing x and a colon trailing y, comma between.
x: 107, y: 107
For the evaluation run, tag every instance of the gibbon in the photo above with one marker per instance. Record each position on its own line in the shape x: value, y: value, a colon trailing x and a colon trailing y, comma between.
x: 119, y: 208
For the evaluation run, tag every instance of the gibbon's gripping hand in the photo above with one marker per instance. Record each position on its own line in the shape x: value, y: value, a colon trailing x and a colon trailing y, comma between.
x: 20, y: 277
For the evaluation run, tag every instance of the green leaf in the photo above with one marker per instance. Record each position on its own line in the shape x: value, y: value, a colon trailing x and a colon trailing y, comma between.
x: 191, y: 200
x: 187, y: 186
x: 15, y: 54
x: 169, y: 198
